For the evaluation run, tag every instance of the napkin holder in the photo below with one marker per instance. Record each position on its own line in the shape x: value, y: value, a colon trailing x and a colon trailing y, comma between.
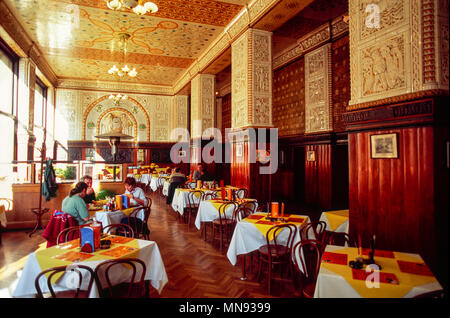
x: 125, y: 201
x: 90, y: 239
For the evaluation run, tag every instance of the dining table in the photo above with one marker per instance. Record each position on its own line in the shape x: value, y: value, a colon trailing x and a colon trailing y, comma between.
x: 69, y: 254
x: 394, y: 274
x: 336, y: 221
x: 111, y: 217
x: 208, y: 210
x: 250, y: 234
x: 157, y: 180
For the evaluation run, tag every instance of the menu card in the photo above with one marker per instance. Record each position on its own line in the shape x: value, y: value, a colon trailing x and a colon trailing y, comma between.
x: 119, y: 251
x: 73, y: 256
x: 414, y: 268
x: 334, y: 258
x: 120, y: 239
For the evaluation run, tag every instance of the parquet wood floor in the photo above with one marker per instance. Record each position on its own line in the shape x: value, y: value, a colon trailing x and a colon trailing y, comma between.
x: 195, y: 268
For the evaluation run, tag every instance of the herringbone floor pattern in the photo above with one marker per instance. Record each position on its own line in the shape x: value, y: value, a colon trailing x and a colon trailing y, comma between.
x: 195, y: 268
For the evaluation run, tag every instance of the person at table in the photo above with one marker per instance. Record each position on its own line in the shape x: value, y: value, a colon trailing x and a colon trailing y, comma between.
x: 137, y: 194
x: 90, y: 193
x: 197, y: 173
x: 176, y: 178
x: 74, y: 204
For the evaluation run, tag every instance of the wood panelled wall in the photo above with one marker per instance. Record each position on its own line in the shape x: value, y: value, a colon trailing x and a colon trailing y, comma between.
x: 394, y: 198
x: 226, y: 113
x: 318, y: 177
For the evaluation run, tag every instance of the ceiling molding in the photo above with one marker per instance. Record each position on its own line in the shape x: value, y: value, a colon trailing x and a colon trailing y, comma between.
x: 16, y: 33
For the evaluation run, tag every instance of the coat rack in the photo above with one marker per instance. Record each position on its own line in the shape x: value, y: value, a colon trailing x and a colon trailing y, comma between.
x: 39, y: 212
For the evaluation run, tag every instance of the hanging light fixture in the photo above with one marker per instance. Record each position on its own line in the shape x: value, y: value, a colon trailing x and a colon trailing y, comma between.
x: 140, y: 7
x: 123, y: 38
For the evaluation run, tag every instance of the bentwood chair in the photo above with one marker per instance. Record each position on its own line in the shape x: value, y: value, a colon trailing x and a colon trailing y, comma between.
x: 225, y: 222
x: 337, y: 238
x: 139, y: 226
x: 75, y: 282
x: 241, y: 193
x: 68, y: 234
x: 306, y: 258
x: 132, y: 269
x: 194, y: 198
x: 119, y: 229
x: 317, y: 228
x: 275, y: 252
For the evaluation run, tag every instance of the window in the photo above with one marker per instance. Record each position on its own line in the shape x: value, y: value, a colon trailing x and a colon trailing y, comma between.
x: 8, y: 80
x: 7, y: 85
x: 40, y: 115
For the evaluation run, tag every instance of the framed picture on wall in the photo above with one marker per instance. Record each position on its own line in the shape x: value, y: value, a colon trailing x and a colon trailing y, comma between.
x: 383, y: 146
x: 311, y: 155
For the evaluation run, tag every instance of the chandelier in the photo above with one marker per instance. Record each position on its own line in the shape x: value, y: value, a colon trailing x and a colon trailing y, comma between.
x: 140, y: 7
x: 117, y: 98
x: 122, y: 71
x: 125, y: 70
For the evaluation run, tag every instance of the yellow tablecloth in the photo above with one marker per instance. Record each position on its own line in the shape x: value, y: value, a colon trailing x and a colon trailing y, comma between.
x: 61, y: 255
x: 336, y: 218
x: 406, y: 281
x: 263, y: 225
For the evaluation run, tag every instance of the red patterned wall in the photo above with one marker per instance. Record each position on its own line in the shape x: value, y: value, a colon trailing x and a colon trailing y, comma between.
x: 289, y: 99
x: 340, y: 61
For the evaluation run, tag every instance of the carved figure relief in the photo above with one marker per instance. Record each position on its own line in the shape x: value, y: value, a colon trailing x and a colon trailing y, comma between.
x: 261, y: 79
x: 262, y: 111
x: 383, y: 67
x: 317, y: 91
x: 261, y: 50
x: 116, y: 121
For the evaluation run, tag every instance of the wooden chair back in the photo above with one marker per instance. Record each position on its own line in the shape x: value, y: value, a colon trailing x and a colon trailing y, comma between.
x: 273, y: 238
x: 119, y: 229
x: 68, y: 234
x: 73, y: 270
x: 136, y: 286
x: 306, y: 257
x: 317, y: 228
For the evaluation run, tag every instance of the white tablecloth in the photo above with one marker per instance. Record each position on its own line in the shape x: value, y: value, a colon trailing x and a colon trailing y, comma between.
x: 145, y: 178
x: 112, y: 217
x: 165, y: 190
x: 207, y: 212
x: 148, y: 252
x: 156, y: 180
x: 247, y: 238
x: 332, y: 285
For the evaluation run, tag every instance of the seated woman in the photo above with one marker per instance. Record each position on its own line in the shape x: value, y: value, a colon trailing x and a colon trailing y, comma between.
x: 137, y: 194
x: 74, y: 204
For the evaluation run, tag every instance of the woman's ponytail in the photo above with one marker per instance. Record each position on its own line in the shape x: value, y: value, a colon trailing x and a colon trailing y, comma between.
x: 79, y: 187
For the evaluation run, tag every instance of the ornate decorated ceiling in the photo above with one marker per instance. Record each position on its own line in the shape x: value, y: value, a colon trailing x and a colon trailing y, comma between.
x: 80, y: 39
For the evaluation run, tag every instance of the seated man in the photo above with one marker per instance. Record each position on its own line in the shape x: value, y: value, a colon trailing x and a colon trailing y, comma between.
x: 177, y: 178
x: 197, y: 173
x: 205, y: 175
x: 90, y: 193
